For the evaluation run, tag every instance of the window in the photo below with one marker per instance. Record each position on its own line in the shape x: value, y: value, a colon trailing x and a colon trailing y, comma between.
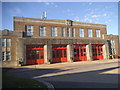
x: 97, y: 33
x: 112, y: 42
x: 29, y: 31
x: 89, y: 32
x: 54, y: 31
x: 81, y: 32
x: 3, y: 42
x: 63, y: 31
x: 3, y: 53
x: 7, y: 56
x: 73, y: 32
x: 68, y: 32
x: 8, y: 42
x: 42, y: 31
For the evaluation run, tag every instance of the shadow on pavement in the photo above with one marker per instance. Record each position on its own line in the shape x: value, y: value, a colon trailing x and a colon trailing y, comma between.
x: 89, y: 79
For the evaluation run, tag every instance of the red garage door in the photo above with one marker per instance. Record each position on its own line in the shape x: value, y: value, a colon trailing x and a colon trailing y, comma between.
x: 34, y: 54
x: 97, y: 50
x: 80, y: 52
x: 59, y: 53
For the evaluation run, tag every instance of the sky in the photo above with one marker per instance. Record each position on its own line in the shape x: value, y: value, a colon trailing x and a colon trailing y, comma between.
x: 90, y: 12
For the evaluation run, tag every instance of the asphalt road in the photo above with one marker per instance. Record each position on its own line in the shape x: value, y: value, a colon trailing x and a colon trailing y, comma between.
x: 76, y: 76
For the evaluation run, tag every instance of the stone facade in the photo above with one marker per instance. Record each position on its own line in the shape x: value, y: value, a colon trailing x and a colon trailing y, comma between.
x: 19, y: 40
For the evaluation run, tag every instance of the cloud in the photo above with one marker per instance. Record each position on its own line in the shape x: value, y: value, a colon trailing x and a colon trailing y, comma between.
x: 90, y: 3
x: 91, y: 17
x: 56, y: 5
x: 99, y: 15
x: 105, y: 14
x: 87, y: 20
x: 108, y: 21
x: 52, y: 4
x: 77, y: 18
x: 68, y: 10
x: 94, y: 16
x: 15, y: 11
x: 47, y: 3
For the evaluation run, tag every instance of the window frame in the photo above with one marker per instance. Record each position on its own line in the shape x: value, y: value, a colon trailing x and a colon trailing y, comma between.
x: 42, y: 33
x: 54, y: 31
x: 8, y: 42
x: 8, y: 55
x: 81, y: 32
x: 29, y: 31
x: 73, y: 32
x: 90, y: 33
x: 63, y: 32
x: 68, y: 32
x: 112, y: 42
x: 3, y: 42
x: 98, y: 34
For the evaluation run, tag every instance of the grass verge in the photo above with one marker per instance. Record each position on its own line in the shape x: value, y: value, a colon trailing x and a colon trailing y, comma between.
x: 15, y: 82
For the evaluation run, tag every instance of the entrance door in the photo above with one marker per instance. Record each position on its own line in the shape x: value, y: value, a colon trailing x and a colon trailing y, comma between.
x: 80, y: 52
x: 97, y: 50
x: 34, y: 54
x: 59, y: 53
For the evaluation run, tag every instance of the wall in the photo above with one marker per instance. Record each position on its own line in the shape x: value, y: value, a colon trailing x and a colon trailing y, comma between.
x: 13, y: 36
x: 20, y: 23
x: 22, y: 42
x: 116, y: 40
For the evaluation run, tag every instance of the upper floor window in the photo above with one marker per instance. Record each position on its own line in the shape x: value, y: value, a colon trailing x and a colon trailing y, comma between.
x: 29, y: 30
x: 63, y: 31
x: 6, y: 42
x: 81, y: 32
x: 68, y: 32
x: 54, y: 31
x: 73, y: 32
x: 42, y: 31
x: 97, y: 33
x: 90, y: 33
x: 3, y: 42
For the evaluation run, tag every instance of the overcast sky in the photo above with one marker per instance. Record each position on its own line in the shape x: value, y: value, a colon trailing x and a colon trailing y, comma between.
x: 92, y: 12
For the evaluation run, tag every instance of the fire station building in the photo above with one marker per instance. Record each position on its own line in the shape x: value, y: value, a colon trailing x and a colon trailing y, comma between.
x: 40, y: 41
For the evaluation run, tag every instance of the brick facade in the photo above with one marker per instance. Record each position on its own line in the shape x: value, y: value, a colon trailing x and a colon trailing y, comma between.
x: 19, y: 40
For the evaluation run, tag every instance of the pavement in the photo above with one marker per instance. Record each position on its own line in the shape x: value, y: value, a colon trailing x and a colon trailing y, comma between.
x: 85, y: 74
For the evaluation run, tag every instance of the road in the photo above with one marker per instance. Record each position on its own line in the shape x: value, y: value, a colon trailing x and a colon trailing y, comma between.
x: 103, y: 75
